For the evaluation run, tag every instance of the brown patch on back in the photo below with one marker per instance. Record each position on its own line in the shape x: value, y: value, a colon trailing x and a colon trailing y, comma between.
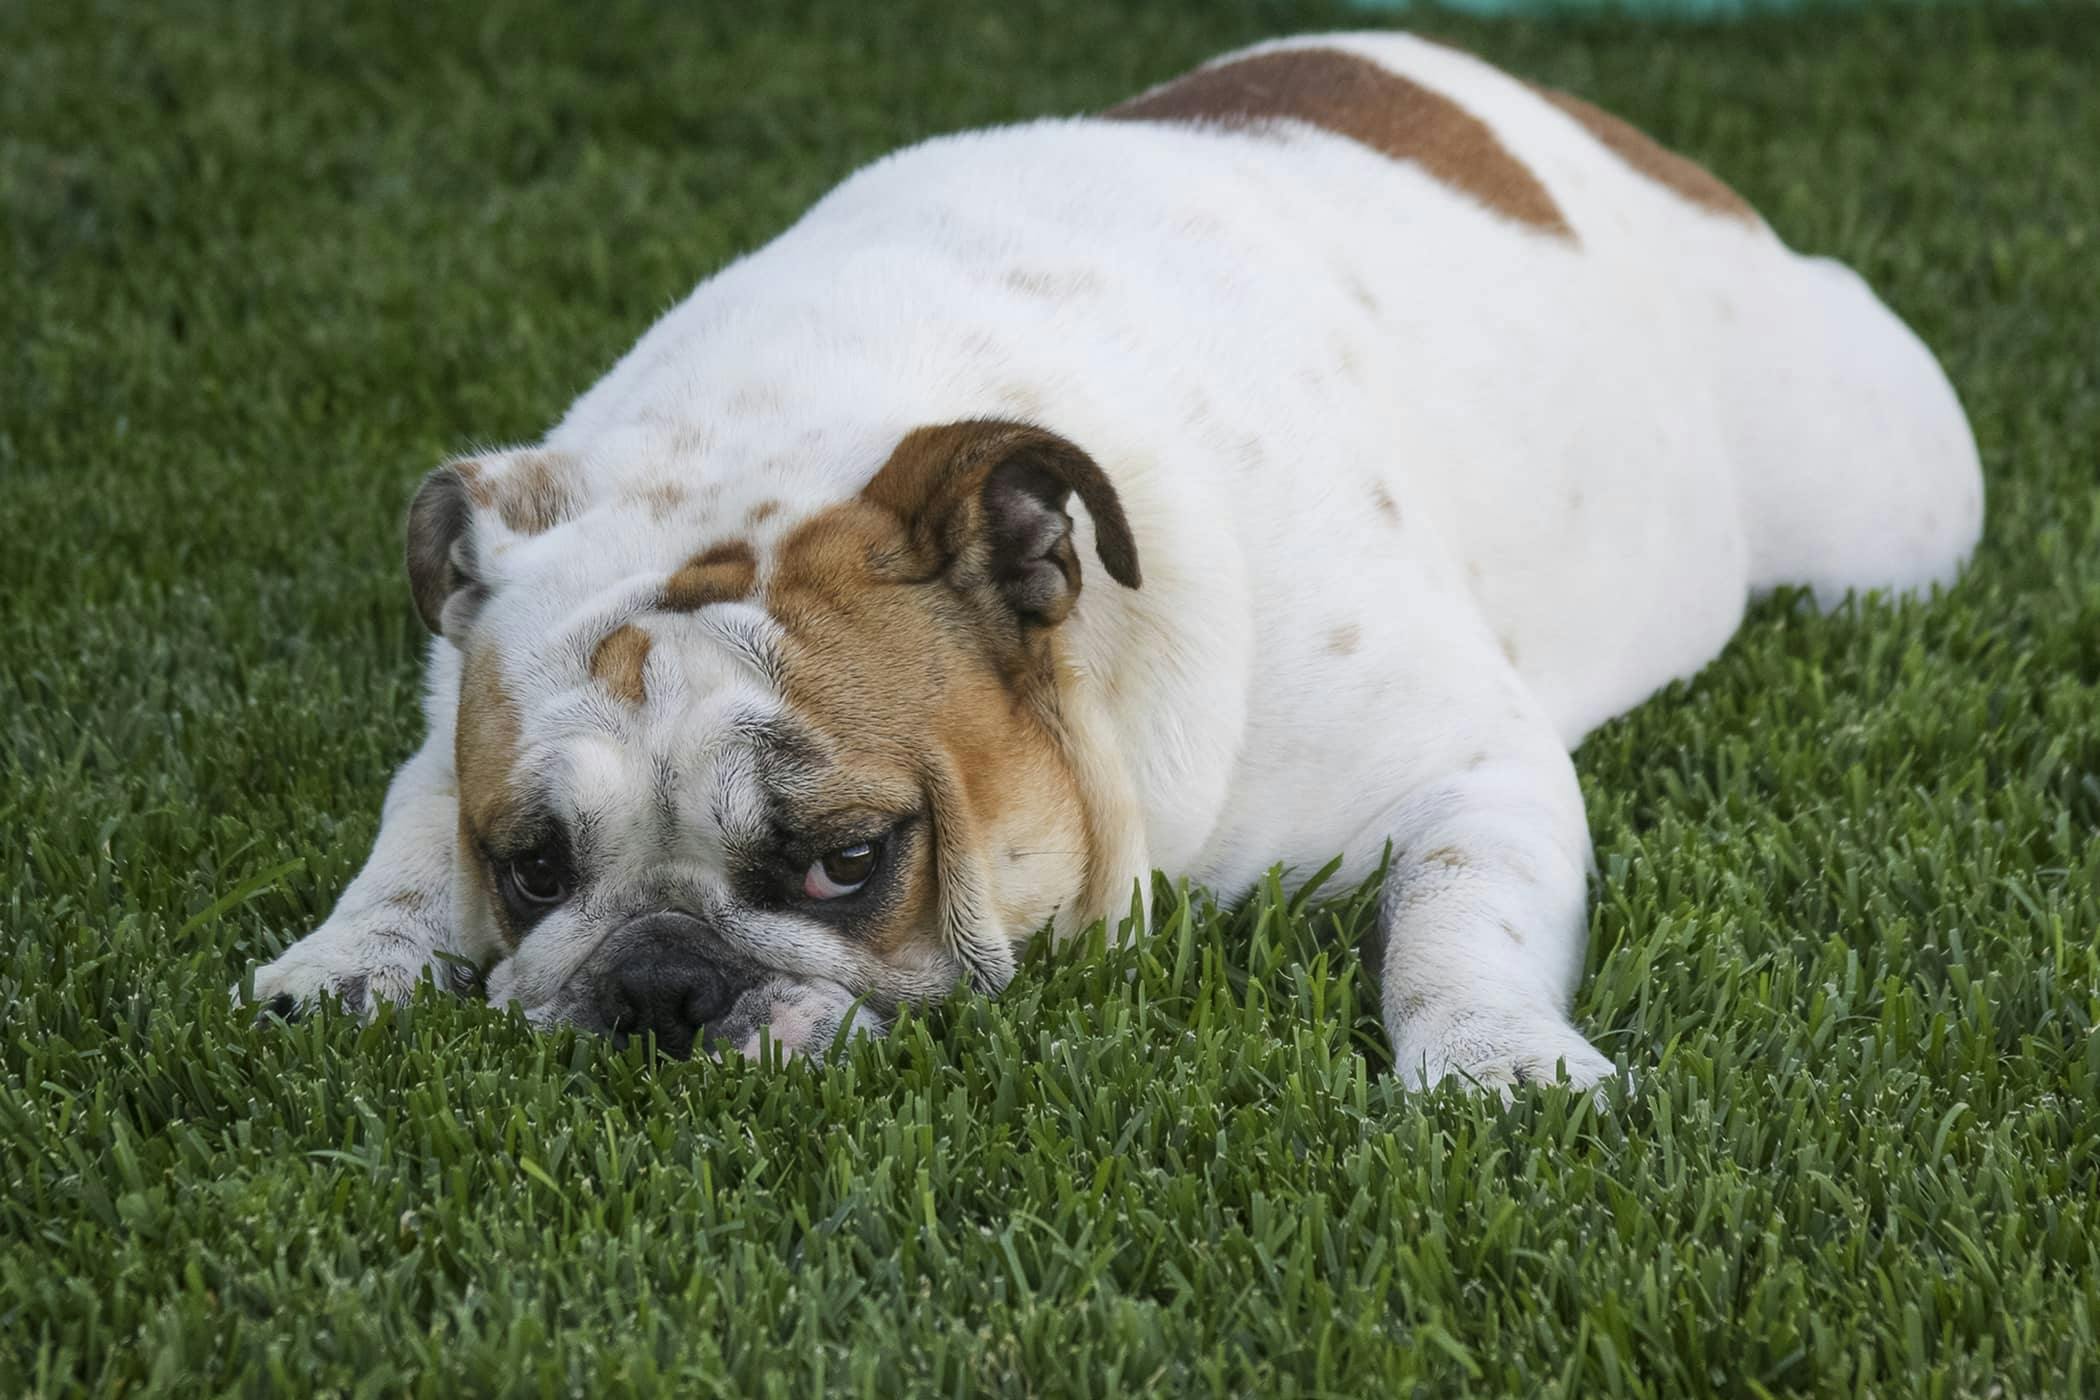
x: 1630, y: 144
x: 1355, y: 98
x: 617, y: 663
x: 723, y: 574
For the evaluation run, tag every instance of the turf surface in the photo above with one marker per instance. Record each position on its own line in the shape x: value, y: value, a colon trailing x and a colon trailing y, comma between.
x: 264, y: 264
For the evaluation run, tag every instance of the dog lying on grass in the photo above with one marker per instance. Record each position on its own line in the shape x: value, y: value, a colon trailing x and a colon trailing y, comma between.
x: 1296, y: 459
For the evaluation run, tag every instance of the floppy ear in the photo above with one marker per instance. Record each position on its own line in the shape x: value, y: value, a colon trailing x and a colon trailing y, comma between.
x: 983, y: 504
x: 442, y: 568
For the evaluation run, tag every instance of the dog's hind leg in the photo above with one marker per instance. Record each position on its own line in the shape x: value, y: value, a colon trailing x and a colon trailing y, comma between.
x: 1853, y: 460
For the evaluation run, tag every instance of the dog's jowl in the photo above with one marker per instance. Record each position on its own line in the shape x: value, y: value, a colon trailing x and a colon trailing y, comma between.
x: 1295, y: 460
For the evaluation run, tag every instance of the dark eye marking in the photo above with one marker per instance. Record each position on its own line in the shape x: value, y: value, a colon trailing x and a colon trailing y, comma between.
x: 842, y: 867
x: 538, y: 878
x: 842, y: 872
x: 534, y: 880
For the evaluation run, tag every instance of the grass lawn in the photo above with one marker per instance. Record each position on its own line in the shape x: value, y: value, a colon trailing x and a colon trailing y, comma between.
x: 261, y: 265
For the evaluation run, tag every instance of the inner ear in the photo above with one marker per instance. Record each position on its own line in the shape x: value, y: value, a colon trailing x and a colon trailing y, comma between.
x: 984, y: 502
x: 443, y: 573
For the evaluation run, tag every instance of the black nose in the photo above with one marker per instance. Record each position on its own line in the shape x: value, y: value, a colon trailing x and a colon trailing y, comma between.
x: 664, y: 986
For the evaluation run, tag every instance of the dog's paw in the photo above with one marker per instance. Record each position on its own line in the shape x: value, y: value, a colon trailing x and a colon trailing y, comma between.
x: 1500, y: 1052
x: 357, y: 970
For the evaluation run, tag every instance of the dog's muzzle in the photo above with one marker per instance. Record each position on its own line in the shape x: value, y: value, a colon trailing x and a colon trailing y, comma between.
x: 664, y: 975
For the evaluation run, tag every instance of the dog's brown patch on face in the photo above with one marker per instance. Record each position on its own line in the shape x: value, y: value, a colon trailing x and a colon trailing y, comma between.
x: 1355, y: 98
x: 618, y: 661
x: 723, y: 574
x: 485, y: 761
x: 912, y: 686
x: 1629, y: 143
x: 1345, y: 639
x: 485, y: 744
x: 533, y: 495
x: 485, y: 741
x: 1382, y: 501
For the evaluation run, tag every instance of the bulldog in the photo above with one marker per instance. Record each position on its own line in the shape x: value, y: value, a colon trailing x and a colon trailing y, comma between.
x: 1294, y: 460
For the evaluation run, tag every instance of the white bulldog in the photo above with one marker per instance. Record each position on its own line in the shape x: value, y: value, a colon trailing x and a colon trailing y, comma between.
x: 1417, y: 420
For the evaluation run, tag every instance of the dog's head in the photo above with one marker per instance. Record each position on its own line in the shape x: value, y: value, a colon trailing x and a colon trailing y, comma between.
x: 712, y: 785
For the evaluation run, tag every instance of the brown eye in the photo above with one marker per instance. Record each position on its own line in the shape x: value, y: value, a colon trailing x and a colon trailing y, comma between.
x: 842, y: 871
x: 538, y: 878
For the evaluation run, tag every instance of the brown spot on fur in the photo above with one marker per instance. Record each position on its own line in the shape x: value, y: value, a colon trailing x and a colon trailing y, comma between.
x: 1020, y: 401
x: 1345, y: 639
x: 1355, y: 98
x: 1449, y: 856
x: 1629, y: 143
x: 531, y: 495
x: 410, y: 900
x: 762, y: 512
x: 755, y: 398
x: 1050, y: 283
x: 1347, y: 360
x: 660, y: 497
x: 722, y: 574
x: 1359, y: 293
x: 1382, y: 501
x: 617, y: 663
x: 476, y: 476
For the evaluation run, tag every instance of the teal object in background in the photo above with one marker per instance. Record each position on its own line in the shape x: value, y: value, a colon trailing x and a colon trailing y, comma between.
x: 1671, y: 9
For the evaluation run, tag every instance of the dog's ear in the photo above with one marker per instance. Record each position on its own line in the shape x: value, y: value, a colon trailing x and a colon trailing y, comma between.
x: 983, y: 505
x: 443, y: 572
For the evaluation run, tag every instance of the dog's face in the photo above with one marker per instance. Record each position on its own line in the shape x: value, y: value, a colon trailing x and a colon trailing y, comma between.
x: 709, y: 787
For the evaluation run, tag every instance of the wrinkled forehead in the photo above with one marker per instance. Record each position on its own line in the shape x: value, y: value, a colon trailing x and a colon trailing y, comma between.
x: 597, y: 687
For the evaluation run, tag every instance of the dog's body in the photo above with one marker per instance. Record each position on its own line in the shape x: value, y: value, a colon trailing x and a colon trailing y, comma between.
x: 1423, y: 421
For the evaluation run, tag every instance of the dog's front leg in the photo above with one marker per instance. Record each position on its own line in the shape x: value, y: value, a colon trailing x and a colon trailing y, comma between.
x: 1485, y: 919
x: 397, y: 917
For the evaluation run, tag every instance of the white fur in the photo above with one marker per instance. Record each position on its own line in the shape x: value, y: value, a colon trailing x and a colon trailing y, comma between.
x: 1598, y: 449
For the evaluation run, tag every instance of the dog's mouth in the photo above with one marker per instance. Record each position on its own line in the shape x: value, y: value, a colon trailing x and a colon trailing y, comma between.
x: 665, y: 979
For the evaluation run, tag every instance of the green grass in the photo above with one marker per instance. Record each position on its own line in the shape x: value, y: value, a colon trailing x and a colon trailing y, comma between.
x: 265, y: 264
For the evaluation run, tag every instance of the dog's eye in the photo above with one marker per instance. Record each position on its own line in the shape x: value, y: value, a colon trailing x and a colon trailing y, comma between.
x: 538, y: 878
x: 842, y: 872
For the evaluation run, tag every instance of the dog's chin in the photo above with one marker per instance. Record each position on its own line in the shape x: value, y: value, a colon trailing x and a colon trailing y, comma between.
x: 793, y: 1016
x: 800, y: 1017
